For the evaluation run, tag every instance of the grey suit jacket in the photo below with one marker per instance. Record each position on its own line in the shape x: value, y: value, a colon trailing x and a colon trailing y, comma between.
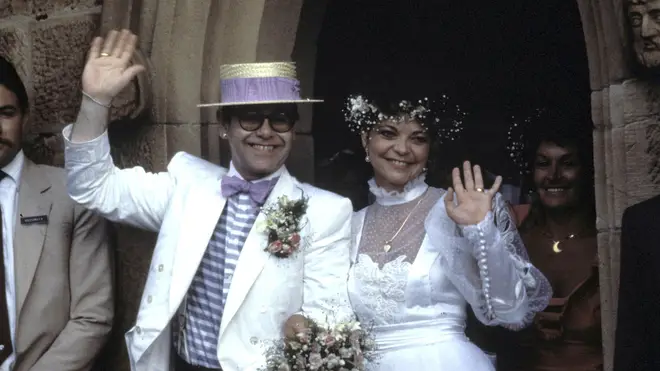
x: 64, y: 277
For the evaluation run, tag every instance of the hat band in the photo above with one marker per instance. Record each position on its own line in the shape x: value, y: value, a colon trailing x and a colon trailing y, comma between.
x: 259, y: 89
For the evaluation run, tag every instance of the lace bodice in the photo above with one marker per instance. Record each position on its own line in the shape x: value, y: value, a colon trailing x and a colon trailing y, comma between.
x: 435, y: 268
x: 400, y: 226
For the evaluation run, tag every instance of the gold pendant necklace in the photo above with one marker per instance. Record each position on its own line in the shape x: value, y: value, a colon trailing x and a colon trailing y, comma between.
x: 556, y: 243
x: 388, y: 244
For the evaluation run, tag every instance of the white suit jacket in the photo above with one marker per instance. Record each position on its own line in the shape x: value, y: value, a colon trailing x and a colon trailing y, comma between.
x: 184, y: 205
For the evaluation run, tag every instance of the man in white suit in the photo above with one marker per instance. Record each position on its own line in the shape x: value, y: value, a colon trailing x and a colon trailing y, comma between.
x: 213, y: 295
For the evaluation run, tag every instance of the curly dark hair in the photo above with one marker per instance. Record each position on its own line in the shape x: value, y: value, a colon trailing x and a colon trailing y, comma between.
x: 565, y: 128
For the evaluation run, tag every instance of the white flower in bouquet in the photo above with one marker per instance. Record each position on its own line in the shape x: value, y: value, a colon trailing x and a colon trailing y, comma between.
x: 343, y: 347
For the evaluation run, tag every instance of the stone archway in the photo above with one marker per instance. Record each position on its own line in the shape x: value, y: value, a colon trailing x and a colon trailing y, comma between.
x: 602, y: 25
x: 624, y: 112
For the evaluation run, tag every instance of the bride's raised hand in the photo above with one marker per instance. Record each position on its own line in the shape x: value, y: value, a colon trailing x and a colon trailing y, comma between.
x: 107, y: 70
x: 473, y: 202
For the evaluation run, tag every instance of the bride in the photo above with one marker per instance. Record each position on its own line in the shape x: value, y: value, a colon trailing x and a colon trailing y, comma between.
x: 421, y: 254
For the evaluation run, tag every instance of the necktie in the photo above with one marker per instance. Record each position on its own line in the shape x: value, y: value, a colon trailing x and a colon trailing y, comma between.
x: 6, y: 347
x: 257, y: 191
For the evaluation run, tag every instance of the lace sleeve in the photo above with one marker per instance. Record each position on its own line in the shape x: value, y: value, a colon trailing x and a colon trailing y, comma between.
x: 488, y: 264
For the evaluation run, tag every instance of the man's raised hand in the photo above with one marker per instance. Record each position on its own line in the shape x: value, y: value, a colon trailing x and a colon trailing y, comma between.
x: 107, y: 70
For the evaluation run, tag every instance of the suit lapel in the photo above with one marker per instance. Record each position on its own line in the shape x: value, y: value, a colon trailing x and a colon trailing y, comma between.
x: 29, y: 239
x: 203, y: 208
x: 253, y: 258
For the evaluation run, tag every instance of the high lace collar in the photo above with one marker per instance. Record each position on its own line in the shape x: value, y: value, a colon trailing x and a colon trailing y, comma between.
x: 411, y: 191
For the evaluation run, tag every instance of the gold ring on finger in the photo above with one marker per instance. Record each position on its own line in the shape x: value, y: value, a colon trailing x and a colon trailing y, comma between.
x: 479, y: 189
x: 105, y: 55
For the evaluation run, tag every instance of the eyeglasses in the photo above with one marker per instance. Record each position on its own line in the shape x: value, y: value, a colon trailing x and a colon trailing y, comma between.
x: 253, y: 121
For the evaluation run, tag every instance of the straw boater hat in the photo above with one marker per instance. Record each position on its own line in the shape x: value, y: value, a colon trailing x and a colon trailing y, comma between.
x: 259, y: 83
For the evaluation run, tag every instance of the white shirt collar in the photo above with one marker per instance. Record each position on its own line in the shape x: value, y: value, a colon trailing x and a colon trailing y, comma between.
x: 15, y: 167
x: 233, y: 172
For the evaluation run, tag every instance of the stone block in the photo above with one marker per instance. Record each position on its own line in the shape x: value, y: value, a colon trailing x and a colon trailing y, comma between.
x: 15, y: 46
x: 603, y: 27
x: 641, y: 100
x: 125, y: 103
x: 301, y: 160
x: 641, y: 107
x: 45, y: 148
x: 139, y: 143
x: 59, y: 51
x: 600, y: 180
x: 5, y: 8
x: 184, y: 137
x: 615, y: 262
x: 9, y: 8
x: 617, y: 156
x: 43, y: 8
x: 616, y: 100
x: 642, y: 142
x: 277, y: 29
x: 607, y: 298
x: 618, y: 174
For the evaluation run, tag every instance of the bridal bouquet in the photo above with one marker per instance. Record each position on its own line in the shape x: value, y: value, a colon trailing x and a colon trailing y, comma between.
x: 343, y: 347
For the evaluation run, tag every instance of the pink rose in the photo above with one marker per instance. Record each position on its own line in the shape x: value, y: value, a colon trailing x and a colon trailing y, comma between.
x: 294, y: 239
x: 274, y: 247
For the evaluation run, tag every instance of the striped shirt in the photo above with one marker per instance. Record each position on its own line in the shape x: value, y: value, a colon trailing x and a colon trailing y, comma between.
x: 198, y: 327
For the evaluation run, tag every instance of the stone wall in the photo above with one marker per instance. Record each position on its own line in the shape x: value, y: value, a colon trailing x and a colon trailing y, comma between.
x: 626, y: 141
x: 47, y: 41
x: 183, y: 44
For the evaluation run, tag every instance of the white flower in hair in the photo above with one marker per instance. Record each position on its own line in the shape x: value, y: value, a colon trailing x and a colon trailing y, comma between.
x: 517, y: 138
x: 361, y: 115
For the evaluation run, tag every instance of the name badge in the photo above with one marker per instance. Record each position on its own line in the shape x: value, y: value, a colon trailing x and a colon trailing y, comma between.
x: 39, y: 219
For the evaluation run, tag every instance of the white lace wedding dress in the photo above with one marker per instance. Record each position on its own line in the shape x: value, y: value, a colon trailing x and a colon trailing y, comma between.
x: 416, y: 295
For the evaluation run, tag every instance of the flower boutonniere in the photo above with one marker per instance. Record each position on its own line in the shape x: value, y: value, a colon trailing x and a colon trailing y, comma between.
x: 282, y: 225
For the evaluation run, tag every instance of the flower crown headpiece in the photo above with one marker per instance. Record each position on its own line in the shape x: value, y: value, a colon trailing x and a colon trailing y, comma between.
x: 517, y: 139
x: 361, y: 115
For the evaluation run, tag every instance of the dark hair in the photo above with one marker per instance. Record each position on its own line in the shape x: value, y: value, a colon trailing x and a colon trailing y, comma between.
x: 226, y: 113
x: 391, y: 108
x: 567, y: 129
x: 10, y: 79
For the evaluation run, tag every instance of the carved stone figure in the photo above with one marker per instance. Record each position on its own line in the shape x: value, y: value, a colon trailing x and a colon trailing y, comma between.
x: 644, y: 21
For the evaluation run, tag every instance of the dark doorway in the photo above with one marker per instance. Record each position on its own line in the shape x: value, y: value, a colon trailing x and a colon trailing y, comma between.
x: 495, y: 59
